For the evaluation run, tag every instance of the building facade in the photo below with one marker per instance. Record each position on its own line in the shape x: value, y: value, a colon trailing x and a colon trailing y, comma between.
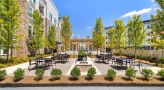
x: 50, y: 15
x: 147, y: 27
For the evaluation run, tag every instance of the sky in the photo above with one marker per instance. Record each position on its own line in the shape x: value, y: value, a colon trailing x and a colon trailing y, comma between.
x: 83, y: 13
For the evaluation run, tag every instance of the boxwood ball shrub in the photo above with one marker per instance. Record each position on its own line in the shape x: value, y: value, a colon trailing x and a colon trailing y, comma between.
x: 39, y: 73
x: 130, y: 73
x: 147, y: 73
x: 111, y: 74
x: 161, y: 73
x: 18, y: 74
x: 91, y: 73
x: 56, y: 73
x: 3, y: 74
x: 75, y: 72
x: 161, y: 60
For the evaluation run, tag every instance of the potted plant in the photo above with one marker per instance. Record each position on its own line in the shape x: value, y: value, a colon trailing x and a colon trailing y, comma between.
x: 80, y: 55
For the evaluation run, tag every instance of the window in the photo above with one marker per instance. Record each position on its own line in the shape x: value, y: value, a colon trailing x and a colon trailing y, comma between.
x: 34, y: 1
x: 30, y: 11
x: 30, y: 30
x: 148, y: 26
x: 50, y: 24
x: 50, y: 15
x: 55, y: 20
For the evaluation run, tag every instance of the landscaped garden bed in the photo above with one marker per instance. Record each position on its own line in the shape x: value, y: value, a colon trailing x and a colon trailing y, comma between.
x: 100, y: 80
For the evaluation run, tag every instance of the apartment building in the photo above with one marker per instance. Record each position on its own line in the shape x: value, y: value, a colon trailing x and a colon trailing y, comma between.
x: 147, y: 27
x: 50, y: 15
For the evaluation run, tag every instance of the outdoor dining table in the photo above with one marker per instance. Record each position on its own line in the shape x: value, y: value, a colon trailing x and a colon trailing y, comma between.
x: 104, y: 56
x: 39, y: 60
x: 62, y: 56
x: 122, y: 60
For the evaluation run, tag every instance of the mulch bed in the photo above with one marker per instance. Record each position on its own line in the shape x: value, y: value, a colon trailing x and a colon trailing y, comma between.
x: 30, y: 81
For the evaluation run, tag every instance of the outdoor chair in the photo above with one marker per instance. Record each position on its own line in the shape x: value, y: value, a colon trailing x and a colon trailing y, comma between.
x: 136, y: 63
x: 49, y: 62
x: 121, y: 63
x: 31, y: 63
x: 98, y: 58
x: 113, y: 60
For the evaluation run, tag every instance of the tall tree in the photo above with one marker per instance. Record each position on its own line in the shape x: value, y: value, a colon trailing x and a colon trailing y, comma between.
x: 158, y: 27
x: 88, y: 36
x: 119, y: 32
x: 51, y: 38
x: 98, y: 34
x: 66, y: 32
x: 37, y: 41
x: 136, y: 33
x: 111, y: 39
x: 10, y: 14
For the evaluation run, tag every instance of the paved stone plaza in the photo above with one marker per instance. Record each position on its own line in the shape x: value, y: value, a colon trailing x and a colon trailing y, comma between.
x: 100, y: 67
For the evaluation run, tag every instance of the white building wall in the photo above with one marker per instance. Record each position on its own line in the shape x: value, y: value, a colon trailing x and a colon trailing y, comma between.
x: 52, y: 8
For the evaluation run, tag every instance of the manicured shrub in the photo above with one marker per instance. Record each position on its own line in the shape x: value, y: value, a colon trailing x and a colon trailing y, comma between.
x: 111, y: 74
x: 130, y: 73
x: 75, y: 72
x: 56, y: 73
x: 18, y: 74
x: 161, y: 60
x: 147, y: 73
x: 3, y: 74
x: 39, y: 73
x: 2, y: 65
x: 91, y: 73
x: 161, y: 73
x: 117, y: 54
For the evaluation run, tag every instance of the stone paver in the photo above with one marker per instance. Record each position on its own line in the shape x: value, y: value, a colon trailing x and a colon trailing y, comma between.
x: 63, y: 66
x: 104, y: 67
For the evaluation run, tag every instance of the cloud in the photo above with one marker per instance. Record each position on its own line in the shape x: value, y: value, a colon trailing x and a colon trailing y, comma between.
x: 72, y: 35
x: 89, y: 27
x: 152, y: 1
x: 140, y: 12
x: 78, y: 36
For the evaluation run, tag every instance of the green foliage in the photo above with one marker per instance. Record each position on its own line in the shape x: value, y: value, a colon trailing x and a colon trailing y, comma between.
x: 51, y: 38
x: 2, y: 74
x: 66, y: 31
x: 117, y: 35
x: 91, y: 73
x: 98, y: 34
x: 10, y: 16
x: 117, y: 54
x: 130, y: 73
x: 37, y: 40
x: 147, y: 73
x: 136, y: 34
x: 39, y: 73
x: 18, y: 74
x: 56, y: 72
x: 111, y: 74
x: 2, y: 65
x: 80, y: 53
x: 161, y: 60
x: 161, y: 73
x: 75, y: 72
x: 157, y: 21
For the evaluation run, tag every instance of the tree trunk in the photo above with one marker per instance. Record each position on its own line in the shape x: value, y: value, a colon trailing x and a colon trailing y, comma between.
x: 97, y: 51
x: 7, y: 55
x: 135, y: 54
x: 11, y: 54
